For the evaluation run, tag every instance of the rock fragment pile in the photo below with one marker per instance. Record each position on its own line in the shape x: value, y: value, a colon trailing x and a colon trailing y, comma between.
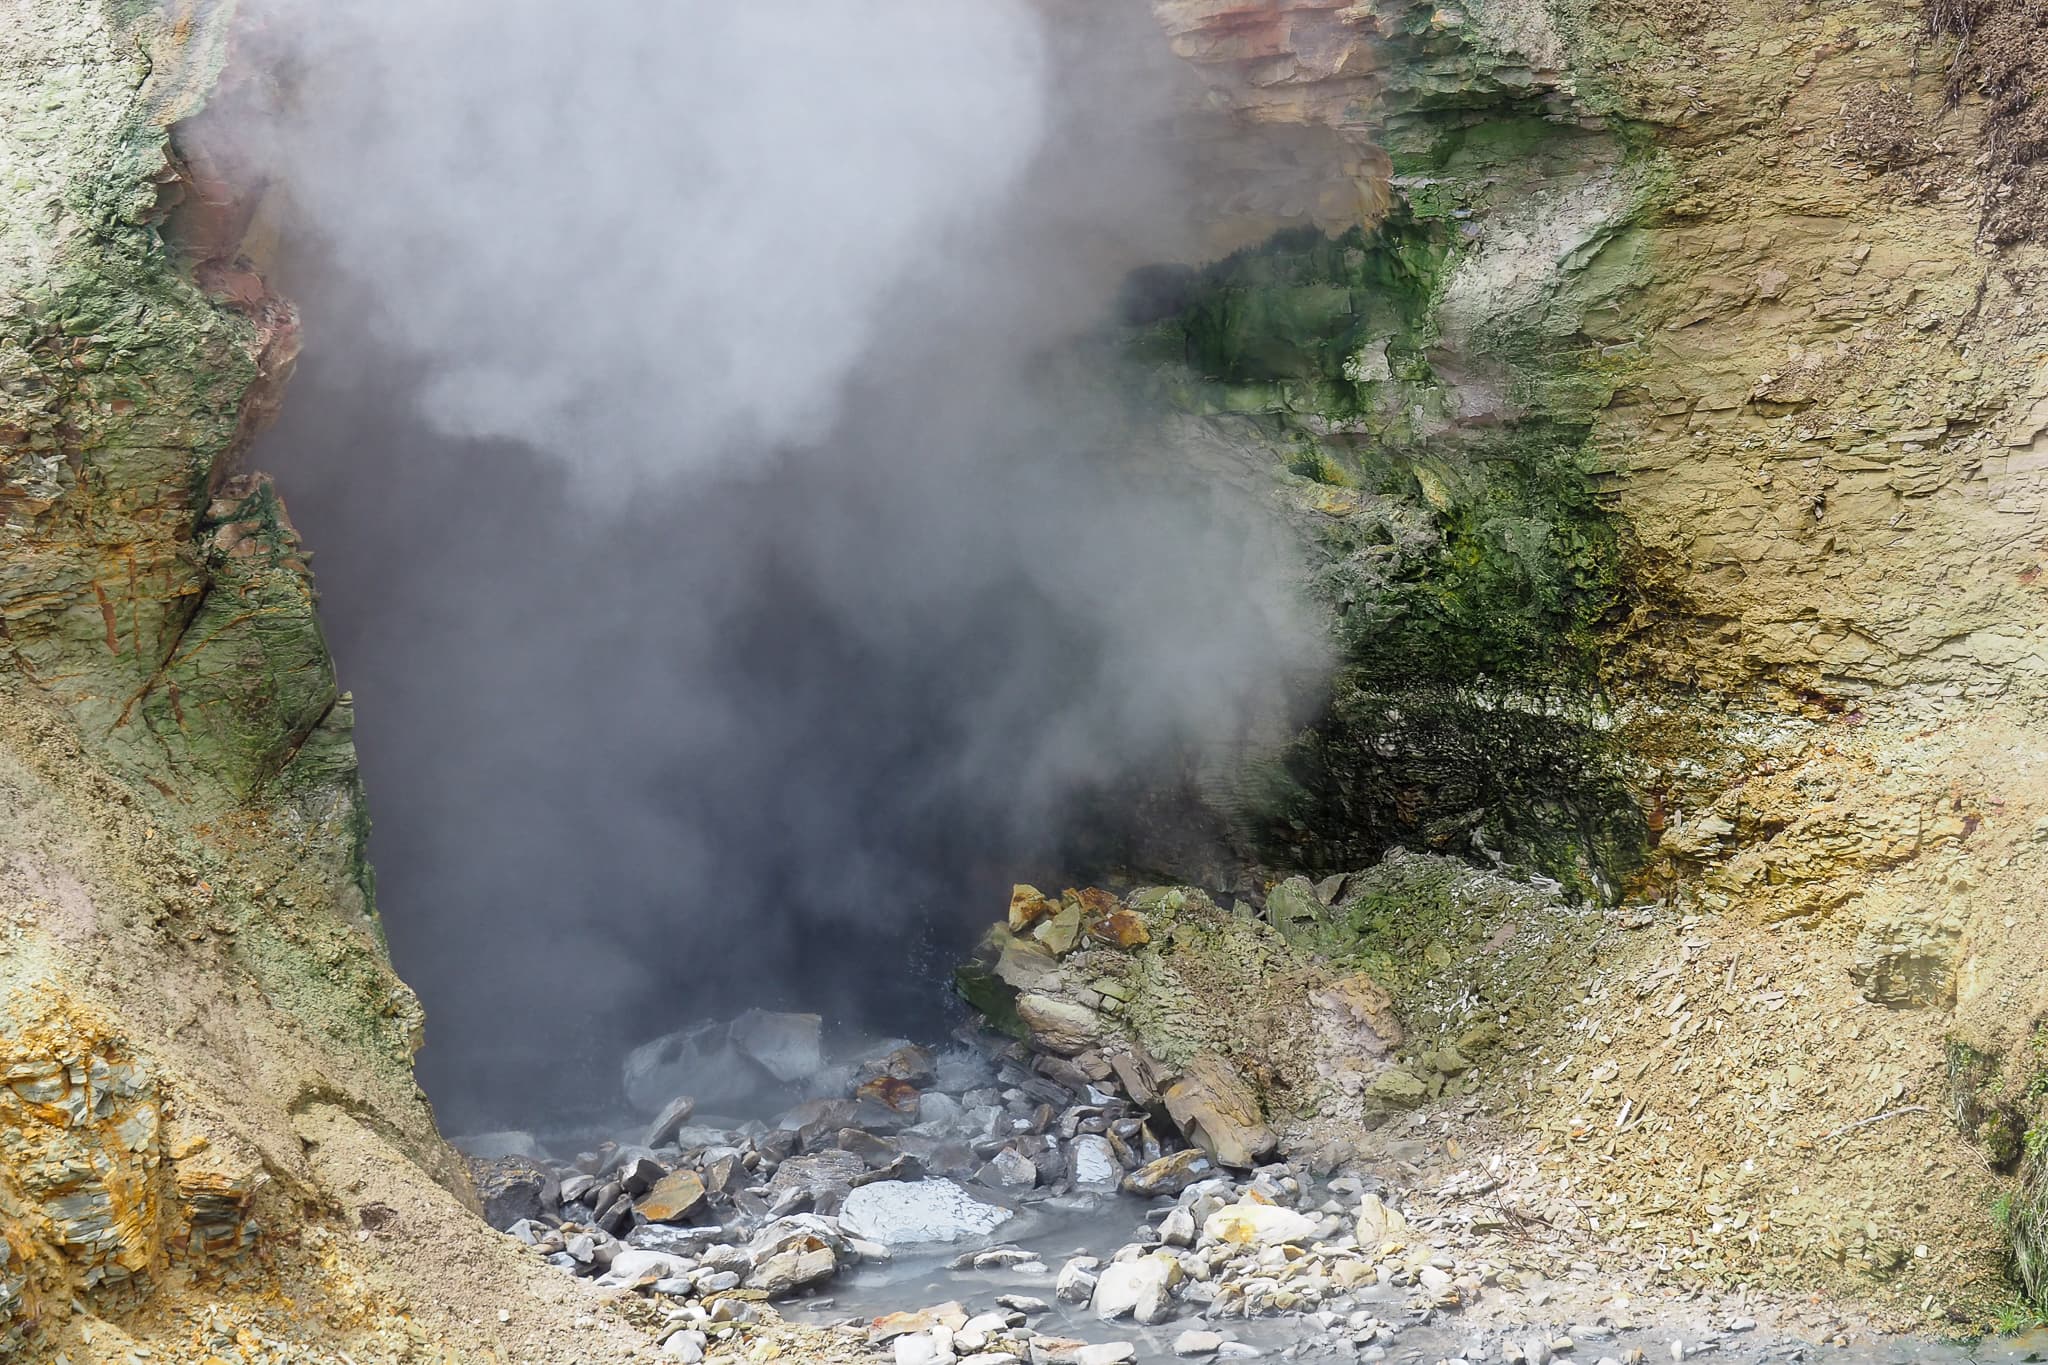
x: 905, y: 1150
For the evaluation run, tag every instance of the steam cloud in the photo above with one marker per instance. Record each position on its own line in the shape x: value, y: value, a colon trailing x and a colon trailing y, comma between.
x: 669, y: 223
x: 742, y: 570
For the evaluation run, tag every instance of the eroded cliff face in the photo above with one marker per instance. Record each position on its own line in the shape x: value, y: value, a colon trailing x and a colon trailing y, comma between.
x: 205, y: 1054
x: 1672, y: 423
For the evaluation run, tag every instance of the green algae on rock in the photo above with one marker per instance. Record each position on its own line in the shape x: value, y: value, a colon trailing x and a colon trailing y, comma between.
x: 1467, y: 569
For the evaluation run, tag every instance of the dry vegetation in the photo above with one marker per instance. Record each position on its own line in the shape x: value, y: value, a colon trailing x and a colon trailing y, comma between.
x: 2001, y: 53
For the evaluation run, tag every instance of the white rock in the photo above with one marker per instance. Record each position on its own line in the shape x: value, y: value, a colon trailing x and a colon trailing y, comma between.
x: 869, y: 1251
x: 1108, y: 1353
x: 898, y: 1213
x: 1177, y: 1229
x: 1144, y: 1285
x: 1197, y: 1343
x: 633, y: 1264
x: 687, y: 1347
x: 1257, y: 1225
x: 1076, y: 1282
x: 1155, y: 1302
x: 1009, y: 1169
x: 925, y: 1348
x: 1536, y: 1351
x: 981, y: 1326
x: 1095, y: 1163
x: 1377, y: 1223
x: 779, y: 1235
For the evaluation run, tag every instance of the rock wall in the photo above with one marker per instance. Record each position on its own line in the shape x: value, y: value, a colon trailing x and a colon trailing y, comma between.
x: 208, y: 1122
x: 1671, y: 422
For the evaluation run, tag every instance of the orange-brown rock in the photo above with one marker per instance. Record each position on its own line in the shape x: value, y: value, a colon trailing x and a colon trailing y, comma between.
x: 673, y: 1198
x: 1028, y: 906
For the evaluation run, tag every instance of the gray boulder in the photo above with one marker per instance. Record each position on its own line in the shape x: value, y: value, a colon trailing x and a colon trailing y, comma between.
x: 789, y: 1047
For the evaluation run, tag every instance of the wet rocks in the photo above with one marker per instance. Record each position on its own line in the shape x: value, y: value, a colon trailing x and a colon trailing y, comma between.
x: 1076, y: 1282
x: 673, y: 1198
x: 909, y: 1063
x: 635, y: 1267
x: 1059, y: 1026
x: 903, y: 1213
x: 890, y: 1326
x: 1028, y: 906
x: 817, y: 1175
x: 1141, y: 1288
x: 796, y: 1266
x: 1219, y: 1111
x: 669, y: 1121
x: 1257, y: 1225
x: 513, y: 1188
x: 1104, y: 1353
x: 1168, y: 1175
x: 924, y: 1348
x: 1008, y: 1169
x: 716, y: 1220
x: 1093, y: 1163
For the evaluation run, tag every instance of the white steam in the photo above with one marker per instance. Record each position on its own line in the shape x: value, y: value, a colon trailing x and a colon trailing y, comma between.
x: 744, y: 561
x: 671, y: 223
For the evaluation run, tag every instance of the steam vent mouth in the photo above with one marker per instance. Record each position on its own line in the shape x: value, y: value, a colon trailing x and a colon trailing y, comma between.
x: 1039, y: 682
x: 760, y: 597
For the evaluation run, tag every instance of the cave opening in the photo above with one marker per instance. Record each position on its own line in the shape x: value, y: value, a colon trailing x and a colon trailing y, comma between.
x: 736, y: 645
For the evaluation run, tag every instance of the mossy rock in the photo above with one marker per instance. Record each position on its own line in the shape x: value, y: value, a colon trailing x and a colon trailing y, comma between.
x: 1470, y: 587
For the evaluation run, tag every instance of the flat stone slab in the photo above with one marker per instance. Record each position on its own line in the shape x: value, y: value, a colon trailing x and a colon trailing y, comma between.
x: 908, y: 1212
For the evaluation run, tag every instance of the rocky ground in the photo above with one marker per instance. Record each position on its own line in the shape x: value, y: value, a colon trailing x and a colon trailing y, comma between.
x: 979, y: 1205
